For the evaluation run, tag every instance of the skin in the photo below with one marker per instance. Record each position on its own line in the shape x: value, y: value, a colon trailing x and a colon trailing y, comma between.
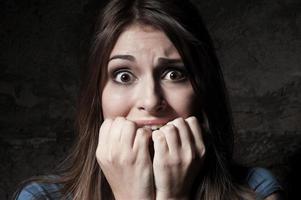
x: 142, y: 89
x: 147, y: 84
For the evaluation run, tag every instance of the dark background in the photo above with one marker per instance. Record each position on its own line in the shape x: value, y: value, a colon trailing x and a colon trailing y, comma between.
x: 44, y: 45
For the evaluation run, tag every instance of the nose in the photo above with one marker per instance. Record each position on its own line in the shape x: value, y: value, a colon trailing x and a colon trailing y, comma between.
x: 151, y: 97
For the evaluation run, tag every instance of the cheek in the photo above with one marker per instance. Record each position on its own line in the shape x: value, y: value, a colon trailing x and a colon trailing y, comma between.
x: 183, y: 101
x: 115, y: 102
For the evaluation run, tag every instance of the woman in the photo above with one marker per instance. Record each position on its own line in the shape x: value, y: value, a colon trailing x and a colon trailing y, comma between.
x: 153, y: 118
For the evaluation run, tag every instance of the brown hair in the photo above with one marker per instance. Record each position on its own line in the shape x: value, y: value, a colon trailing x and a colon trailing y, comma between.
x: 180, y: 21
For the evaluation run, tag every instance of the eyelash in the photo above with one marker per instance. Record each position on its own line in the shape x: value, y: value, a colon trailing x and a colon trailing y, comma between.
x: 182, y: 73
x: 119, y: 72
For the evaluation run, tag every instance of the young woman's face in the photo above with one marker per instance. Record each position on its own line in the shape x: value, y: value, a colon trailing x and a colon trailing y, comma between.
x: 147, y: 81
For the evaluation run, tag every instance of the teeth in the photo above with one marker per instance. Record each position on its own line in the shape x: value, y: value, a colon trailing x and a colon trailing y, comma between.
x: 153, y: 127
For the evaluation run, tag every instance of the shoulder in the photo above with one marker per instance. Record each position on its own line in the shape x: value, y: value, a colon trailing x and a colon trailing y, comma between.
x: 41, y: 191
x: 262, y: 181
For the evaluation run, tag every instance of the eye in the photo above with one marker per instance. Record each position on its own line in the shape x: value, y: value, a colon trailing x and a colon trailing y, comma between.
x: 123, y: 77
x: 174, y: 75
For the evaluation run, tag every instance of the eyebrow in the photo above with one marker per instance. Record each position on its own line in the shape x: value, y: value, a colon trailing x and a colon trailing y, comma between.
x: 161, y: 61
x: 124, y: 57
x: 168, y: 61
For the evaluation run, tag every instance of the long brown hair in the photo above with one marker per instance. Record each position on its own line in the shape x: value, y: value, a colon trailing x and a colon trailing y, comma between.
x: 81, y: 175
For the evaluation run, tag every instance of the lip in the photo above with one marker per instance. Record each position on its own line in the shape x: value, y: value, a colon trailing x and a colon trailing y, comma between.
x: 150, y: 122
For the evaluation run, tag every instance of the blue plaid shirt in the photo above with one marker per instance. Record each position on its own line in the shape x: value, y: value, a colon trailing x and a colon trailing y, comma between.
x: 259, y: 179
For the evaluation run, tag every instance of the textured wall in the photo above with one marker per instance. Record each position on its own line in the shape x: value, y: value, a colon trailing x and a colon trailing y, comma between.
x: 44, y: 43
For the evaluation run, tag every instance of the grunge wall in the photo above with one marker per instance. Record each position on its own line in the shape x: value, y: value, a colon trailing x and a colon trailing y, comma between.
x: 44, y: 45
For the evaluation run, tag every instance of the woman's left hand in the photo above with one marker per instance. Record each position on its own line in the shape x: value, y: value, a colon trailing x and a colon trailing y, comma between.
x: 179, y: 151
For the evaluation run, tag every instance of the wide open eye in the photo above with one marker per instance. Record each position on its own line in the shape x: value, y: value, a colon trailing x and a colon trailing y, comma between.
x: 174, y: 75
x: 124, y: 77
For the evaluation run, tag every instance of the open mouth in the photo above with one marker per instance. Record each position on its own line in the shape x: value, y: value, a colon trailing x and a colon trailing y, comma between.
x: 153, y: 124
x: 153, y: 127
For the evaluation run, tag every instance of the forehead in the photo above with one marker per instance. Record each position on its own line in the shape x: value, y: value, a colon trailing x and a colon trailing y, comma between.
x: 136, y: 38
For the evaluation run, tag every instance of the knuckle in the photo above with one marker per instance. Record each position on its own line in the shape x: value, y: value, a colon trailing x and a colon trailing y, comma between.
x: 176, y: 161
x: 142, y: 135
x: 127, y: 159
x: 192, y: 119
x: 109, y: 120
x: 158, y: 137
x: 100, y: 157
x: 140, y: 132
x: 119, y: 119
x: 179, y: 120
x: 98, y: 153
x: 155, y: 134
x: 130, y: 124
x: 110, y: 160
x: 105, y: 124
x: 190, y: 156
x: 168, y: 128
x: 109, y: 157
x: 113, y: 157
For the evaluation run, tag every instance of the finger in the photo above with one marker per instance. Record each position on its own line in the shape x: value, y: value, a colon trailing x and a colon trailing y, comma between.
x: 113, y: 141
x: 184, y: 132
x: 104, y: 130
x: 102, y: 140
x: 197, y: 134
x: 160, y: 144
x: 115, y: 131
x: 141, y: 142
x: 172, y: 138
x: 128, y: 133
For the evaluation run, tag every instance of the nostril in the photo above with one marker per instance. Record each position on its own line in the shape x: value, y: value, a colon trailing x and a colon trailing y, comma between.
x: 141, y: 108
x: 150, y: 98
x: 154, y: 106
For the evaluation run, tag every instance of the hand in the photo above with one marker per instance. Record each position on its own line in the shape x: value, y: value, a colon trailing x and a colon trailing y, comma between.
x: 124, y: 158
x: 179, y: 151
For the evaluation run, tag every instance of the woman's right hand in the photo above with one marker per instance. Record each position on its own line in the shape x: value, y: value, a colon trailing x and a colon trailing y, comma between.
x: 124, y: 158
